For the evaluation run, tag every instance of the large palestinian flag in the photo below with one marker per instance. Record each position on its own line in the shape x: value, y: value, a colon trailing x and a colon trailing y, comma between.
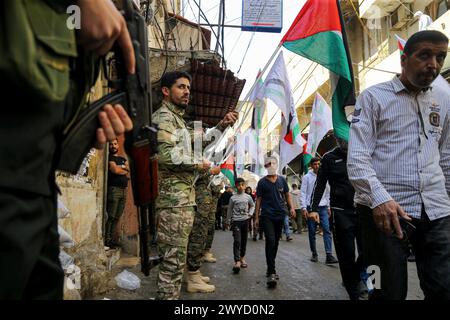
x: 318, y: 35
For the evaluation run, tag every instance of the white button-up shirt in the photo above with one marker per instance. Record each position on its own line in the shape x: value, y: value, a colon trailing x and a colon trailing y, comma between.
x: 307, y: 189
x: 399, y: 149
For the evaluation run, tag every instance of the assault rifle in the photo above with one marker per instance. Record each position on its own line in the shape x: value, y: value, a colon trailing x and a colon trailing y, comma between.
x: 133, y: 93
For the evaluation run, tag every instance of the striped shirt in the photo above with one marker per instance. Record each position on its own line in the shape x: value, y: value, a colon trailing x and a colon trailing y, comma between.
x: 399, y: 149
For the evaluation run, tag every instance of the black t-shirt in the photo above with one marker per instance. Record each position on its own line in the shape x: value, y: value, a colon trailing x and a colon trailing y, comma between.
x: 273, y: 203
x: 117, y: 180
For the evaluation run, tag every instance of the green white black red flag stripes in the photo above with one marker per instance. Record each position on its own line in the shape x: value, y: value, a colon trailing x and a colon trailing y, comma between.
x: 278, y: 89
x: 228, y: 168
x: 318, y: 35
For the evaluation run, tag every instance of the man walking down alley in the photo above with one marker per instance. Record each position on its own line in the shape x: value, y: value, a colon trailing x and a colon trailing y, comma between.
x: 323, y: 210
x: 399, y: 165
x: 333, y: 170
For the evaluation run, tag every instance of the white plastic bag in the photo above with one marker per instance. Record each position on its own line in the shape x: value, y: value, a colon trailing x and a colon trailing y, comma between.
x: 128, y: 280
x: 65, y: 239
x: 65, y: 259
x: 63, y: 212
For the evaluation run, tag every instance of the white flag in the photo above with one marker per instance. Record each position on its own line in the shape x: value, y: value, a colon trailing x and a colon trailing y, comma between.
x: 246, y: 149
x: 278, y: 89
x: 321, y: 123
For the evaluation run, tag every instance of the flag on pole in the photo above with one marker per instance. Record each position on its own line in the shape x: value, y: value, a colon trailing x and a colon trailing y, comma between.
x: 401, y: 44
x: 228, y: 168
x: 257, y: 98
x: 321, y: 123
x: 278, y: 88
x: 318, y: 34
x: 306, y: 158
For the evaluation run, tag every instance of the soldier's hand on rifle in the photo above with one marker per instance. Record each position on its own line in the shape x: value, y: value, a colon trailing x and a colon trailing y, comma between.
x: 214, y: 170
x: 113, y: 122
x: 101, y: 26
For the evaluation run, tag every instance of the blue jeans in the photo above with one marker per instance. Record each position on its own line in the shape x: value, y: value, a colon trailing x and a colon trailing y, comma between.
x: 312, y: 226
x: 286, y: 229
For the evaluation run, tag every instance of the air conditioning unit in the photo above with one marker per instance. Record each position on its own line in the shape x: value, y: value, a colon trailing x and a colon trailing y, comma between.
x: 401, y: 16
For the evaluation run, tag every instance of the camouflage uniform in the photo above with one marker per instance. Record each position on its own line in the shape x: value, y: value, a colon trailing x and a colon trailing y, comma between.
x: 212, y: 216
x: 199, y: 234
x: 176, y: 200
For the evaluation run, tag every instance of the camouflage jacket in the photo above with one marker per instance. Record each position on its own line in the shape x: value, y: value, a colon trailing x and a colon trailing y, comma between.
x: 176, y: 167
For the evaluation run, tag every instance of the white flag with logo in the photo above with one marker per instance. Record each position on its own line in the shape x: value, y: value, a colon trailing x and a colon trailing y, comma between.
x: 321, y: 123
x: 278, y: 89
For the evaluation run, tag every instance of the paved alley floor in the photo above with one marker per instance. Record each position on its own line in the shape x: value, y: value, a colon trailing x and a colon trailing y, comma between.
x: 300, y: 279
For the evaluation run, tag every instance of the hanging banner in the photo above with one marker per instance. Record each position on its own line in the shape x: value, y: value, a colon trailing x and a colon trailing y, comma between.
x: 262, y: 15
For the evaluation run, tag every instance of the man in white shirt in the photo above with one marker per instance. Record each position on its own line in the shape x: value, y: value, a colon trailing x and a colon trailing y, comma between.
x: 297, y: 223
x: 306, y: 192
x: 399, y: 165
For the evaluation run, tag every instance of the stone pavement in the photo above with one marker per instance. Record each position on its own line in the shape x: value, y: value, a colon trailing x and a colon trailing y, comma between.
x: 300, y: 279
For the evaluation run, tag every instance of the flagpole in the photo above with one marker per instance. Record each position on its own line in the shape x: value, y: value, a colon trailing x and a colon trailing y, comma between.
x: 248, y: 96
x: 259, y: 76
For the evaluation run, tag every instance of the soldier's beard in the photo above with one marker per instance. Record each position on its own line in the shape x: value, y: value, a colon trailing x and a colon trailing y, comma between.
x: 182, y: 106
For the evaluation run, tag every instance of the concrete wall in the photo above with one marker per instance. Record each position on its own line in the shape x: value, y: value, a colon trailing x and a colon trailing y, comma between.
x: 83, y: 195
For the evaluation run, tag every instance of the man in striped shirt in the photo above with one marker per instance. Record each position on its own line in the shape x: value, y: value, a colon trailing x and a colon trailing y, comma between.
x: 399, y: 164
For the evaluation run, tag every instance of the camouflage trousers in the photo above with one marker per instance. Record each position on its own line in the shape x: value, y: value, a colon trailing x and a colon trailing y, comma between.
x: 211, y: 227
x: 174, y: 227
x: 199, y: 235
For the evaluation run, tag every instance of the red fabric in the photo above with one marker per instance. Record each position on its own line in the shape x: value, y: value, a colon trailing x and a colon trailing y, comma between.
x: 316, y: 16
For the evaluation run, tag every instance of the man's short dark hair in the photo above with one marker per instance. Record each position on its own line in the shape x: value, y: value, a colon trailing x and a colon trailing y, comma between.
x: 169, y: 78
x: 432, y: 36
x: 294, y: 186
x: 315, y: 159
x: 239, y: 180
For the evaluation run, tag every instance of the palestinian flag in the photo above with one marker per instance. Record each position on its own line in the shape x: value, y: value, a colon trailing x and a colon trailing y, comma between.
x: 306, y: 158
x: 401, y: 44
x: 318, y: 34
x: 228, y: 168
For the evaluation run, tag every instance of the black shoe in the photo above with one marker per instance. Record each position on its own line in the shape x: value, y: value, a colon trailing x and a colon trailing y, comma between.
x: 276, y: 275
x: 330, y: 259
x: 236, y: 270
x: 411, y: 257
x: 314, y: 258
x: 289, y: 239
x: 255, y: 239
x: 272, y: 281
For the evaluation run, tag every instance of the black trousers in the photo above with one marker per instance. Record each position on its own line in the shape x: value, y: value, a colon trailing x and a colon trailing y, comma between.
x: 272, y: 231
x: 29, y: 247
x: 431, y: 244
x: 240, y: 233
x: 346, y: 233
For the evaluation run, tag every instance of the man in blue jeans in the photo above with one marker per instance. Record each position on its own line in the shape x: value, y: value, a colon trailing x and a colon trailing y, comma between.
x: 306, y: 192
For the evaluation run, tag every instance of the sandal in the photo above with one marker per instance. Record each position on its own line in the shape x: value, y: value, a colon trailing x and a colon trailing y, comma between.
x: 237, y: 267
x: 244, y: 264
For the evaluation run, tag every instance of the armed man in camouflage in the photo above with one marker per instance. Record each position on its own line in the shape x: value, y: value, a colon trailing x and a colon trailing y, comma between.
x: 38, y: 52
x: 177, y: 170
x: 196, y: 282
x: 207, y: 254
